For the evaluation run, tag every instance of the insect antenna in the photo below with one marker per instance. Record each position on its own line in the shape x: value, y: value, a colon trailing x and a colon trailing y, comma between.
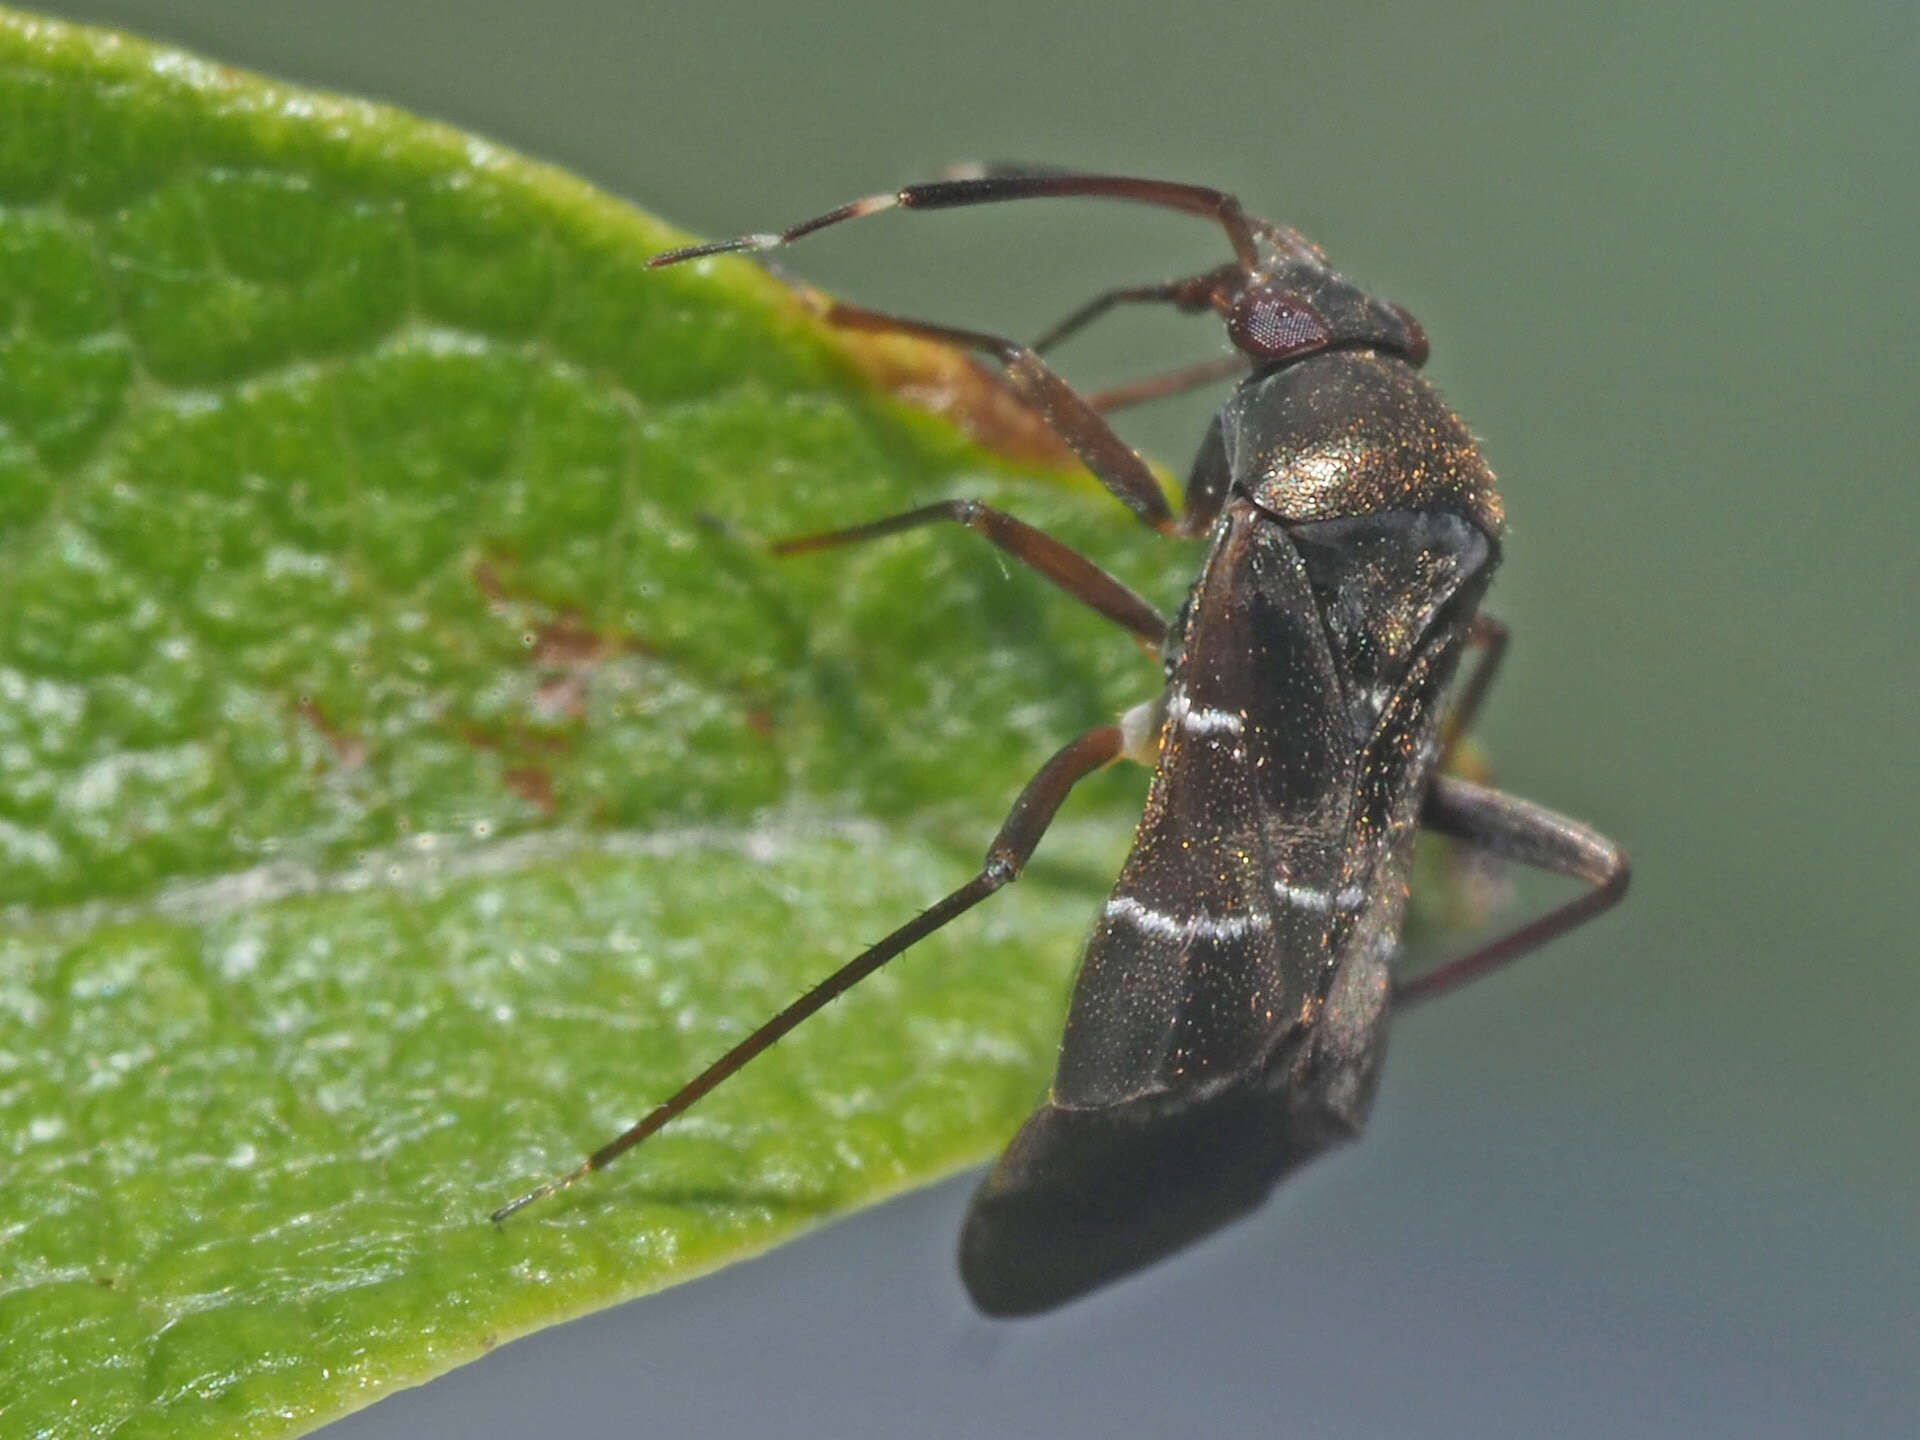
x: 988, y: 185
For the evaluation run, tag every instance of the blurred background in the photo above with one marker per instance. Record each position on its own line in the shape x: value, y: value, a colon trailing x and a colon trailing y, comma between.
x: 1660, y: 1180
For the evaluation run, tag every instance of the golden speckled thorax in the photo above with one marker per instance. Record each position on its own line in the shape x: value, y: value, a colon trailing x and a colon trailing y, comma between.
x: 1356, y: 432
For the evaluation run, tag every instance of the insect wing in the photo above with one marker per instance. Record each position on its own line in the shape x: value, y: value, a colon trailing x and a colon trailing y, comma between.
x: 1212, y: 946
x: 1395, y: 592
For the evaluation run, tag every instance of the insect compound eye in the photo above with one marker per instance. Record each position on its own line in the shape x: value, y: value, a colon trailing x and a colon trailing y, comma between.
x: 1276, y: 325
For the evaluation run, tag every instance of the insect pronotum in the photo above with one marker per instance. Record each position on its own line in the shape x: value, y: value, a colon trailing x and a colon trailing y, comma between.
x: 1231, y: 1011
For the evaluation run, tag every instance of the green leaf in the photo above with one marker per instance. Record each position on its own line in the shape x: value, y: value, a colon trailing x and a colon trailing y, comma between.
x: 412, y: 767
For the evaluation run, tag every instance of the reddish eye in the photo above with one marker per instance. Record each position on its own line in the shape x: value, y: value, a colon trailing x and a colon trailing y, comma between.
x: 1276, y: 324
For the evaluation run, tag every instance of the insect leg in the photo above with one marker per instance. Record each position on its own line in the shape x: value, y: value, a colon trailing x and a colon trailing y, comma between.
x: 1113, y: 462
x: 1170, y: 382
x: 1032, y: 813
x: 1191, y: 293
x: 1064, y: 566
x: 986, y: 185
x: 1516, y: 829
x: 1491, y: 636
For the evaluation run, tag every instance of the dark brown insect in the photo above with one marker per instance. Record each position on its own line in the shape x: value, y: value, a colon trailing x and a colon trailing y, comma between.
x: 1231, y: 1011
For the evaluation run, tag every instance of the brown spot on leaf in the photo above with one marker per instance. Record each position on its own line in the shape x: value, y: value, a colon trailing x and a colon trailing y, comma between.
x: 566, y: 651
x: 539, y: 742
x: 562, y: 696
x: 950, y: 383
x: 533, y: 784
x: 488, y: 579
x: 563, y: 647
x: 565, y: 640
x: 567, y: 648
x: 349, y: 750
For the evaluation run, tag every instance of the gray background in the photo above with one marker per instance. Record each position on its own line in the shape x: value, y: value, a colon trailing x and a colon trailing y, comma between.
x: 1661, y: 1181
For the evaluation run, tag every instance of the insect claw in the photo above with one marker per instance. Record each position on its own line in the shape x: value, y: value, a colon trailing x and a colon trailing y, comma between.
x: 540, y: 1192
x: 735, y: 246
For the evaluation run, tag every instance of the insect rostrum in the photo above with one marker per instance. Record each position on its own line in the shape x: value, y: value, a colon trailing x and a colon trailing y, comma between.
x: 1231, y: 1011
